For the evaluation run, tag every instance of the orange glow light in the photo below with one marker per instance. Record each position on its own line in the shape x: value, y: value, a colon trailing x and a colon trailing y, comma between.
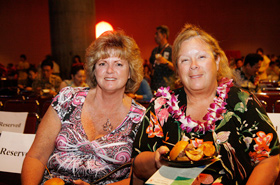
x: 102, y: 27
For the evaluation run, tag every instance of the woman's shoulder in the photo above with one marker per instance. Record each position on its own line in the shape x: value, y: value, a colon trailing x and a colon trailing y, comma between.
x: 70, y: 92
x: 73, y: 90
x: 236, y: 95
x: 237, y: 92
x: 135, y: 105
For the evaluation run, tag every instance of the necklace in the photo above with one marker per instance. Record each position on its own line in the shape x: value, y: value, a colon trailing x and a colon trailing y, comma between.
x: 107, y: 127
x: 214, y: 112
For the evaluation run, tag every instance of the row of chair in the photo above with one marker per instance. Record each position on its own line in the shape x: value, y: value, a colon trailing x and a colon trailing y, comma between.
x: 36, y: 109
x: 271, y: 104
x: 274, y: 108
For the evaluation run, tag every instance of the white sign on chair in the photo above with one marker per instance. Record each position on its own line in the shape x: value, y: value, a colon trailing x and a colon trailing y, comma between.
x: 12, y: 121
x: 275, y: 119
x: 13, y: 148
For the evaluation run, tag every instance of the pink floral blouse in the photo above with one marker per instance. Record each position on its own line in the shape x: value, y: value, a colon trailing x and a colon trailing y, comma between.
x: 75, y: 157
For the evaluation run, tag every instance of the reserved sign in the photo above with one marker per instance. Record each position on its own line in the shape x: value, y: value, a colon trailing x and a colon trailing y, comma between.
x: 13, y: 148
x: 12, y: 121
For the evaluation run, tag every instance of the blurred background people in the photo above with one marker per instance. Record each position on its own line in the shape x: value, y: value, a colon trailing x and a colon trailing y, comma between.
x: 264, y: 64
x: 11, y: 72
x: 22, y: 67
x: 247, y: 78
x: 160, y: 59
x: 273, y: 71
x: 143, y: 94
x: 238, y: 63
x: 55, y: 70
x: 147, y: 71
x: 88, y: 132
x: 77, y: 60
x: 3, y: 70
x: 47, y: 82
x: 78, y: 77
x: 32, y: 75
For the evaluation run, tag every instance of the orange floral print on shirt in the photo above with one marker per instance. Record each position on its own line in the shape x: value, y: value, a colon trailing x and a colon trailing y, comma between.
x: 154, y: 128
x: 261, y: 147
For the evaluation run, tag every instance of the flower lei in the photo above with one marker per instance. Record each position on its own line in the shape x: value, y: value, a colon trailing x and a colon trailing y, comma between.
x: 215, y: 111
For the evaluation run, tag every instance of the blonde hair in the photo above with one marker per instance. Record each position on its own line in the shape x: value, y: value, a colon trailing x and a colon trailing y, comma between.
x: 121, y: 46
x: 190, y: 31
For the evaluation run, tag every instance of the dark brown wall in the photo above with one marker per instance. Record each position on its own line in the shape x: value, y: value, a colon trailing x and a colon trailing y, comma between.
x: 238, y: 25
x: 24, y: 30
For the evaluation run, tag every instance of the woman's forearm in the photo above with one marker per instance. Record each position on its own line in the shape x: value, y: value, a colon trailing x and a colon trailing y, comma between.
x: 144, y: 165
x: 32, y: 171
x: 266, y: 172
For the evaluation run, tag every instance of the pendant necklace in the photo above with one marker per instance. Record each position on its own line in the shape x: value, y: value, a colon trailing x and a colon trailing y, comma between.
x: 107, y: 127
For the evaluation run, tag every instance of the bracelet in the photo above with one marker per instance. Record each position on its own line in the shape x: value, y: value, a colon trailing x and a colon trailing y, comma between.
x: 135, y: 96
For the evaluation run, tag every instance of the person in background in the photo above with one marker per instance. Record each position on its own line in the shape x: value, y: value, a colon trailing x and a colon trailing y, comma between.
x: 147, y: 71
x: 78, y: 77
x: 143, y: 94
x: 273, y: 71
x: 47, y: 82
x: 77, y: 60
x: 3, y: 70
x: 264, y: 64
x: 247, y: 77
x: 162, y: 72
x: 22, y: 67
x: 55, y: 70
x: 273, y: 58
x: 88, y: 132
x: 11, y: 72
x: 32, y: 75
x: 238, y: 63
x: 207, y: 110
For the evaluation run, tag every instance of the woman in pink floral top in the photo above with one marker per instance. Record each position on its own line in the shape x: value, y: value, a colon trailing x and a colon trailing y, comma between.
x: 88, y: 131
x: 208, y: 108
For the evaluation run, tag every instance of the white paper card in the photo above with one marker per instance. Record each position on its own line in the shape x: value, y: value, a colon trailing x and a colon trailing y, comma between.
x: 13, y: 148
x: 166, y: 175
x: 12, y: 121
x: 275, y: 119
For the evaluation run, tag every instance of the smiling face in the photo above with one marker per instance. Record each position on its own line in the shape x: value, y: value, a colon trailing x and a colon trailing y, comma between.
x: 197, y: 67
x: 112, y: 73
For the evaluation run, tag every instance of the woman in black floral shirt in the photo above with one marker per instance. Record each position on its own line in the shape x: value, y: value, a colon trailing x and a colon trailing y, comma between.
x: 208, y: 108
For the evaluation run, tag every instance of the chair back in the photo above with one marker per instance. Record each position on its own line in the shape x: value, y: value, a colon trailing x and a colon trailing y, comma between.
x: 21, y: 106
x: 264, y: 104
x: 32, y: 123
x: 276, y: 106
x: 45, y: 107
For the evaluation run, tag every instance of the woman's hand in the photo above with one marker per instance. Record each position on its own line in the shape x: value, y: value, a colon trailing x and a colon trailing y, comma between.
x: 147, y: 163
x: 80, y: 182
x: 269, y: 166
x: 160, y: 151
